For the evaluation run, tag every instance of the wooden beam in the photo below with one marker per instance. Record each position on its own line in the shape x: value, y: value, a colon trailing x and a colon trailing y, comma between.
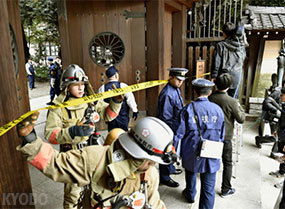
x: 174, y: 5
x: 155, y: 50
x: 189, y: 40
x: 187, y: 3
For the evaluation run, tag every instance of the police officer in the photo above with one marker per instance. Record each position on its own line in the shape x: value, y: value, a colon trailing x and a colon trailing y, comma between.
x: 211, y: 122
x: 64, y: 125
x: 170, y: 103
x: 31, y: 73
x: 120, y: 174
x: 54, y: 73
x: 122, y: 120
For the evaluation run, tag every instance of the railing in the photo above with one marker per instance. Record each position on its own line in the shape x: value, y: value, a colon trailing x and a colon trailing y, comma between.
x: 208, y: 16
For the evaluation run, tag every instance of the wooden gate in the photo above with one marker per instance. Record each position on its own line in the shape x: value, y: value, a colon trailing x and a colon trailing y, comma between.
x: 205, y: 21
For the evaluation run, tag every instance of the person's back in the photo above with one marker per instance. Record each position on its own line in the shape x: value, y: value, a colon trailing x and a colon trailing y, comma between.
x: 230, y: 106
x: 229, y: 58
x: 200, y: 120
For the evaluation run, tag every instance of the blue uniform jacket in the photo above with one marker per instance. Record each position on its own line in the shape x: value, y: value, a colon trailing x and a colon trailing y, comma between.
x: 170, y: 104
x: 211, y: 120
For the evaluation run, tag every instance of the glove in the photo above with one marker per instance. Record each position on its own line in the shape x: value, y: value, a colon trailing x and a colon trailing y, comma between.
x: 26, y: 130
x: 82, y: 130
x: 135, y: 115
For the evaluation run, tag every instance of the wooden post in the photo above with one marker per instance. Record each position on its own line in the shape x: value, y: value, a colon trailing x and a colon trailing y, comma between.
x: 179, y: 27
x: 258, y: 68
x: 14, y: 173
x: 155, y: 50
x: 64, y: 35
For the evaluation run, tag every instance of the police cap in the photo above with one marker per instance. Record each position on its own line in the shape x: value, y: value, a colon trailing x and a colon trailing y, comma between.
x: 111, y: 71
x: 50, y: 59
x: 202, y: 82
x: 178, y: 73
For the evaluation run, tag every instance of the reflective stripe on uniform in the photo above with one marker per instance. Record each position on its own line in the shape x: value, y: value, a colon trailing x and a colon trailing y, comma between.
x: 110, y: 112
x: 44, y: 156
x: 53, y: 136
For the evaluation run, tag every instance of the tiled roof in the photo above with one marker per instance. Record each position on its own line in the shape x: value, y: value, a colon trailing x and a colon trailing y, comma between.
x: 265, y: 18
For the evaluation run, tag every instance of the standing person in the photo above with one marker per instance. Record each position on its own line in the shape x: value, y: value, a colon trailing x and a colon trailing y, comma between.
x: 121, y: 175
x: 211, y: 125
x: 31, y: 73
x: 281, y: 66
x: 229, y: 56
x: 122, y: 120
x: 58, y: 67
x: 54, y: 73
x: 281, y: 137
x: 232, y: 112
x: 65, y: 126
x: 170, y: 103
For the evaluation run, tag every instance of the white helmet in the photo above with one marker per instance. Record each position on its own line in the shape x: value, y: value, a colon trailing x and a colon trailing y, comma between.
x: 72, y: 74
x: 150, y: 139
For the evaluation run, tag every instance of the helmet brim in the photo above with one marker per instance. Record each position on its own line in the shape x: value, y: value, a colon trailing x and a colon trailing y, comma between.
x: 129, y: 144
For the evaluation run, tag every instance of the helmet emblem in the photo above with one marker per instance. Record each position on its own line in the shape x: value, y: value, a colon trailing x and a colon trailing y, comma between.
x: 145, y: 132
x: 79, y: 75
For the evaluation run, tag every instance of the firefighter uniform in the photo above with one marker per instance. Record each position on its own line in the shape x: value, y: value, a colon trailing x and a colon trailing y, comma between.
x: 57, y: 131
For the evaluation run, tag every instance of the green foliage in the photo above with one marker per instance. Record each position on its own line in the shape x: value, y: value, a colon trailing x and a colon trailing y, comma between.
x: 276, y: 3
x: 42, y: 73
x: 40, y: 21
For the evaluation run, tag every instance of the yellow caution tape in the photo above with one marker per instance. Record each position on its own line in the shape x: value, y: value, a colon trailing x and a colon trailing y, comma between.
x: 87, y: 99
x: 202, y: 75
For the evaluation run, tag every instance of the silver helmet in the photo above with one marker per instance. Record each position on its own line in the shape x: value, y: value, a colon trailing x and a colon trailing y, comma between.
x: 149, y: 139
x: 72, y: 74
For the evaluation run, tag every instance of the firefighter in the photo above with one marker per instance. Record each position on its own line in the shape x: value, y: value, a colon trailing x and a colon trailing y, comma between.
x: 120, y: 174
x: 65, y: 126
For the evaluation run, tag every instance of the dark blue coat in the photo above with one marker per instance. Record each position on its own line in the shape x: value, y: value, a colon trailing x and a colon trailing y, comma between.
x: 170, y: 104
x: 211, y: 120
x: 122, y: 120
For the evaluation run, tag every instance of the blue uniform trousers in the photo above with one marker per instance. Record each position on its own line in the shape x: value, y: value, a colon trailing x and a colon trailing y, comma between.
x: 31, y: 79
x: 52, y: 93
x: 165, y: 171
x: 207, y: 194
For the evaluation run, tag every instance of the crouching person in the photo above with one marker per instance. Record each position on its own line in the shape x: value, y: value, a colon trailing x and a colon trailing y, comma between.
x: 122, y: 174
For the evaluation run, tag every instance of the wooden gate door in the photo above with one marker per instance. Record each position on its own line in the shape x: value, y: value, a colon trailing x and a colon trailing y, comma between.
x: 80, y: 21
